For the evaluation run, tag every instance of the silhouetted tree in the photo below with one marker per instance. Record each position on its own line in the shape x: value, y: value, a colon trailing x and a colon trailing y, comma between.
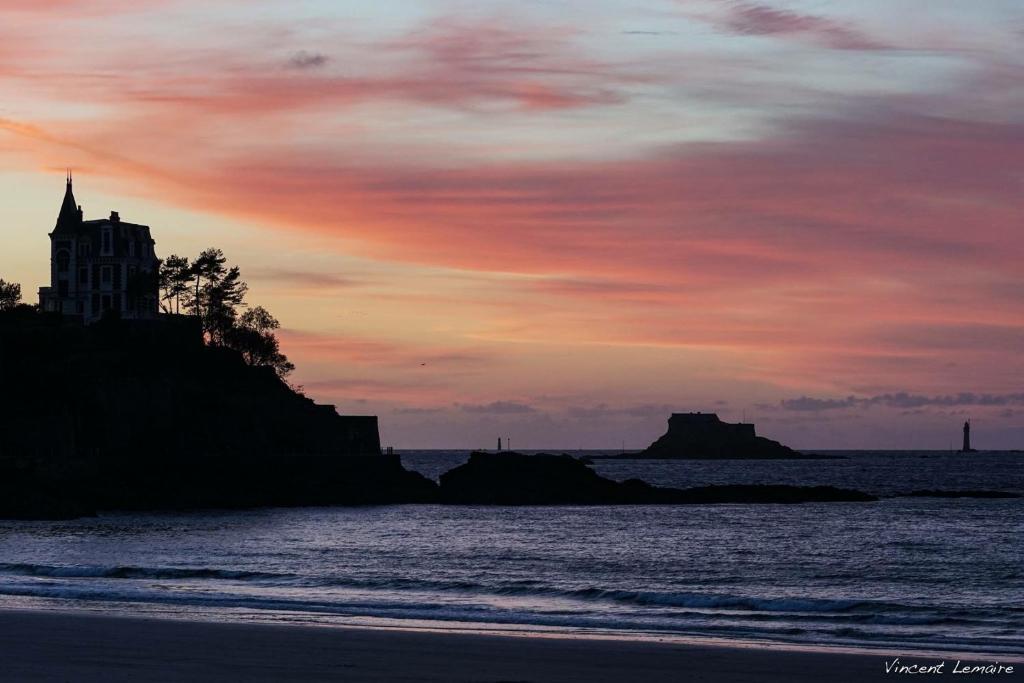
x: 175, y: 280
x: 217, y: 295
x: 215, y: 292
x: 10, y: 295
x: 208, y: 267
x: 221, y: 297
x: 253, y: 337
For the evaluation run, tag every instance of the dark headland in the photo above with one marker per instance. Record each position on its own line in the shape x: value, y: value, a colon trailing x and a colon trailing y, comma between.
x: 143, y: 415
x: 703, y: 436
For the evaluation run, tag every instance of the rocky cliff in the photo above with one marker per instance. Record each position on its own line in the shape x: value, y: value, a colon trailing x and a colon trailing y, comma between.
x: 142, y: 414
x: 152, y: 389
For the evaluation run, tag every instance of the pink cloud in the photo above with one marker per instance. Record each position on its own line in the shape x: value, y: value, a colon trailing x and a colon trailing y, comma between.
x: 445, y: 64
x: 874, y: 233
x: 423, y: 359
x: 896, y: 191
x: 48, y: 6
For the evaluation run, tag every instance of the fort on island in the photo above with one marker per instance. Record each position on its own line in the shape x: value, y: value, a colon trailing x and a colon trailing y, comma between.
x: 700, y: 436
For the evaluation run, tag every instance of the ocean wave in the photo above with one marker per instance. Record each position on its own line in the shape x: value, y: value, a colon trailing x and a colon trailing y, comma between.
x: 820, y: 626
x: 751, y: 607
x: 128, y: 572
x: 640, y: 598
x: 711, y: 600
x: 703, y: 625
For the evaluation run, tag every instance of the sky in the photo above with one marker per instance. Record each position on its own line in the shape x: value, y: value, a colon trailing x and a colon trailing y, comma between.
x: 558, y: 222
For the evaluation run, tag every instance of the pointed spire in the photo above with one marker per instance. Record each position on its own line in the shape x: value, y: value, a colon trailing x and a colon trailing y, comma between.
x: 69, y: 219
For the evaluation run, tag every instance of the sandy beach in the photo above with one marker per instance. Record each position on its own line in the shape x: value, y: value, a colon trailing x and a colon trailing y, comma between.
x: 63, y: 646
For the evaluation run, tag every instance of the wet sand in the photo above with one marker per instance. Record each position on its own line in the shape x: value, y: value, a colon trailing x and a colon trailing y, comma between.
x: 70, y: 646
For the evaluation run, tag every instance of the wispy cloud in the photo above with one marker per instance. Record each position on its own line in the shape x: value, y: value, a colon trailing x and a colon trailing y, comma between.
x: 499, y: 408
x: 902, y: 400
x: 603, y: 411
x: 303, y: 278
x: 748, y: 18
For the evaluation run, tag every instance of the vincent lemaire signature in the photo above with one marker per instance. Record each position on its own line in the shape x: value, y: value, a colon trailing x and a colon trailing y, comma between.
x: 895, y: 666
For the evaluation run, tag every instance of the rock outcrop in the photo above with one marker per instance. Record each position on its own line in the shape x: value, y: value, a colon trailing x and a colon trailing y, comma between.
x: 515, y: 479
x: 702, y: 436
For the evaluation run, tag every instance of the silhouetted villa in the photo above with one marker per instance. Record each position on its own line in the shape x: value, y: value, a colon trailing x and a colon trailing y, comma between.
x: 100, y: 265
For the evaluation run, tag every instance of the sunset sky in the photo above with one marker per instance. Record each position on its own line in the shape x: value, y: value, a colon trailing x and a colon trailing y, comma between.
x: 561, y: 221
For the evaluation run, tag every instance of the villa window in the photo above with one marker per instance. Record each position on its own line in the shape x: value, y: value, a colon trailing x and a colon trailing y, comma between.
x: 131, y: 248
x: 63, y: 261
x: 107, y: 274
x: 85, y: 249
x: 106, y: 241
x: 83, y: 276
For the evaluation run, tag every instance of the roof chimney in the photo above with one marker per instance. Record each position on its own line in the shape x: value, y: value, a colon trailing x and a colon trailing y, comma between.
x: 114, y: 217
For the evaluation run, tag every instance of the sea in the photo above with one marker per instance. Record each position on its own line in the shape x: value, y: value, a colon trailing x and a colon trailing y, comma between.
x: 913, y: 574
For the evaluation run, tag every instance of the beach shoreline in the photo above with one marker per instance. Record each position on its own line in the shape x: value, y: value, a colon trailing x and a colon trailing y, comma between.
x: 42, y: 645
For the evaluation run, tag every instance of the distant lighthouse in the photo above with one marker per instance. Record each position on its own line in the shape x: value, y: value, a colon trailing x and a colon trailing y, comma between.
x: 967, y: 438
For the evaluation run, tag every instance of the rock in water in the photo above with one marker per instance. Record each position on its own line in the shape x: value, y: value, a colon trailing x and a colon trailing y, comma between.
x: 514, y: 479
x: 697, y: 436
x: 510, y: 478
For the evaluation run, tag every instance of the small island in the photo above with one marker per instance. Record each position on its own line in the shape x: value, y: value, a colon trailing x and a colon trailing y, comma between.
x: 703, y: 436
x: 510, y: 478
